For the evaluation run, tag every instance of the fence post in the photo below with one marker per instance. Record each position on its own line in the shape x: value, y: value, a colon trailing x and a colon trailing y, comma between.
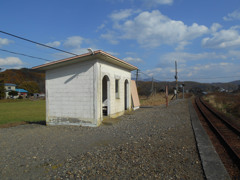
x: 166, y: 89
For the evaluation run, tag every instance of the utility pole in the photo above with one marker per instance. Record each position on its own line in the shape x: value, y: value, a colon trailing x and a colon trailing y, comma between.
x: 176, y: 77
x: 137, y: 78
x: 183, y: 89
x: 166, y: 91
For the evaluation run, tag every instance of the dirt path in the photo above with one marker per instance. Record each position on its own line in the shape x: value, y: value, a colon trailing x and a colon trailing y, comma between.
x: 155, y: 142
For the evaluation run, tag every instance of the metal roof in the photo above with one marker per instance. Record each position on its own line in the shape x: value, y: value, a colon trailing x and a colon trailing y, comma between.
x: 9, y: 84
x: 21, y: 90
x: 87, y: 56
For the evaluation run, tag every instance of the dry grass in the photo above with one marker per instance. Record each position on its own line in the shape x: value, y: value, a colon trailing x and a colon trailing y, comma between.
x: 159, y: 99
x: 153, y: 100
x: 226, y: 103
x: 186, y: 95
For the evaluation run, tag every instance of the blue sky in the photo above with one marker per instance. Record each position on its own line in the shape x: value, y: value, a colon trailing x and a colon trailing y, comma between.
x: 202, y: 36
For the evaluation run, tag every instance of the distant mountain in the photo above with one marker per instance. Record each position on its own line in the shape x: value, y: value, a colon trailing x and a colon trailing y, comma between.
x: 145, y: 87
x: 228, y: 86
x: 17, y: 76
x: 235, y: 82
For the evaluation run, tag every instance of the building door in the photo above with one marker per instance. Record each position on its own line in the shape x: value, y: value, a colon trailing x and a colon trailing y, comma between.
x: 105, y: 96
x: 126, y: 95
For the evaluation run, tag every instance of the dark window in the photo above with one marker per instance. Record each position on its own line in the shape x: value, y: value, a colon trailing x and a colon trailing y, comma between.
x: 117, y: 88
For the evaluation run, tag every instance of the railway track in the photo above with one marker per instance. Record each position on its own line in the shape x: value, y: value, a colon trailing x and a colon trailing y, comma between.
x: 227, y: 132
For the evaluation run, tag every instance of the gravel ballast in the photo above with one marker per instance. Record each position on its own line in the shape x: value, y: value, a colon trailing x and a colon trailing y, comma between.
x: 153, y: 143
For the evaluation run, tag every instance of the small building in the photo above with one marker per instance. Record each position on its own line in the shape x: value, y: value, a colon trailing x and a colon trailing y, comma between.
x: 12, y: 87
x: 8, y: 88
x: 81, y: 90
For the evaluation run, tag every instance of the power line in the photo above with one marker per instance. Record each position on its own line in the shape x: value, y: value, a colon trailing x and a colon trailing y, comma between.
x: 24, y: 55
x: 37, y: 43
x: 154, y: 78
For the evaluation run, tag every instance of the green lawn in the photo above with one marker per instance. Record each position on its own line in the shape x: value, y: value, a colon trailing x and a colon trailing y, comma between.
x: 22, y: 110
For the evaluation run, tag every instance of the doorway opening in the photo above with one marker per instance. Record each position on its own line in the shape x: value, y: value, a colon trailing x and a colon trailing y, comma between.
x: 126, y: 95
x: 105, y: 95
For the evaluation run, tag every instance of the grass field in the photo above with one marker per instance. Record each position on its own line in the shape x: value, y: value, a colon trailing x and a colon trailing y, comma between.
x: 12, y: 111
x: 226, y: 103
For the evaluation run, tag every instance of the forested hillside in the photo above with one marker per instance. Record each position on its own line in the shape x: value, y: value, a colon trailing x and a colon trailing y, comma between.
x: 21, y: 76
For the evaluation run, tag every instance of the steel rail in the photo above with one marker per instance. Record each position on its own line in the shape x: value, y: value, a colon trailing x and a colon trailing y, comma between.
x: 232, y: 126
x: 228, y: 135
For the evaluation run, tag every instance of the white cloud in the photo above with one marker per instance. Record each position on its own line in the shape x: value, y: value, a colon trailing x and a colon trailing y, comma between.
x: 121, y: 14
x: 148, y: 3
x: 73, y: 42
x: 10, y: 62
x: 151, y: 29
x: 234, y: 55
x: 111, y: 37
x: 212, y: 70
x: 187, y: 71
x: 197, y: 66
x: 200, y: 72
x: 112, y: 53
x: 223, y: 39
x: 77, y: 51
x: 133, y: 60
x: 54, y: 44
x: 224, y: 64
x: 235, y: 15
x: 155, y: 3
x: 215, y: 27
x: 183, y: 57
x: 181, y: 45
x: 155, y: 70
x: 4, y: 41
x: 158, y: 2
x: 100, y: 27
x: 160, y: 73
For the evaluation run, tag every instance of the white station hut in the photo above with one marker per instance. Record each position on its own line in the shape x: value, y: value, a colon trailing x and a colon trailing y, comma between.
x: 81, y: 90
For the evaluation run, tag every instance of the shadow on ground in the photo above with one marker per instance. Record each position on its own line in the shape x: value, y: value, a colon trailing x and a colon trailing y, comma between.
x: 36, y: 122
x: 146, y: 107
x: 8, y: 125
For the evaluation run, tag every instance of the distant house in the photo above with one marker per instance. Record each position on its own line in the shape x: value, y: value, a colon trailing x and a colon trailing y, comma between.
x: 22, y: 92
x: 81, y: 90
x: 12, y: 87
x: 8, y: 88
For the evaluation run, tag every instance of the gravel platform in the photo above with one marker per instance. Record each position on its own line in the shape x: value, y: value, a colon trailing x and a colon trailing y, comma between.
x: 150, y: 143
